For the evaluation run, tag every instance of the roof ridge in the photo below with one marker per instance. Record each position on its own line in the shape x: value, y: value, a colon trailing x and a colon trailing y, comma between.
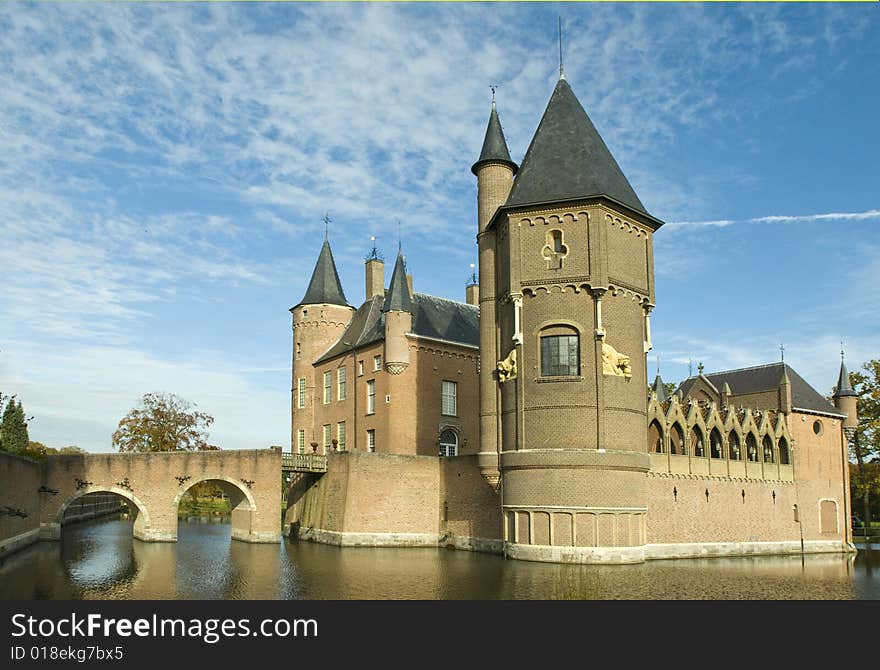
x: 440, y: 297
x: 751, y: 367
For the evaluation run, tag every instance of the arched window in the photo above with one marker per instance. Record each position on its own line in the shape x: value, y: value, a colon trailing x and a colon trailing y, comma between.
x: 784, y: 456
x: 715, y: 447
x: 767, y: 443
x: 752, y: 448
x: 655, y: 438
x: 733, y: 440
x: 560, y: 352
x: 676, y: 440
x: 448, y: 443
x: 697, y: 442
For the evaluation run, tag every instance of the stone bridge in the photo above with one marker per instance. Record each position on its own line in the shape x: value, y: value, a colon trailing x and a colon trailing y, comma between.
x: 154, y: 483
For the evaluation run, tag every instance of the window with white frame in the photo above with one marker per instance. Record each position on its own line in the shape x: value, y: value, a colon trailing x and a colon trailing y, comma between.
x: 301, y: 392
x: 371, y: 440
x: 328, y: 387
x: 377, y: 363
x: 449, y: 399
x: 371, y: 396
x: 326, y: 437
x: 448, y: 443
x: 301, y: 441
x: 340, y: 435
x: 360, y: 368
x: 340, y: 384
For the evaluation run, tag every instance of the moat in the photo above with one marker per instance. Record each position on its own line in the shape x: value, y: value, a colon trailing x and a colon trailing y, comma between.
x: 100, y: 560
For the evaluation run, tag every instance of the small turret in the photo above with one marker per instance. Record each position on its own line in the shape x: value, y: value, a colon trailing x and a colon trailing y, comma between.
x: 659, y: 389
x: 398, y: 313
x: 785, y: 391
x: 494, y: 171
x: 845, y: 398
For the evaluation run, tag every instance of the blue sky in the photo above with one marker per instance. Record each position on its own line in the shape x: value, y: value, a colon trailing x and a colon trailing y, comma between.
x: 164, y: 169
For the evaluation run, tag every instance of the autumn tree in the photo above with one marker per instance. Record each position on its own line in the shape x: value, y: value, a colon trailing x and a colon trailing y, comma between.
x: 866, y: 441
x: 163, y: 422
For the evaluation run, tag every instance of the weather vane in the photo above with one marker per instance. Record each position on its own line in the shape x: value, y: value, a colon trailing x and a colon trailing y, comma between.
x: 326, y: 219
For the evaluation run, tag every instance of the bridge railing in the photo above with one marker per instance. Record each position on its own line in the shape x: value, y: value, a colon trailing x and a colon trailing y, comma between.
x: 304, y: 462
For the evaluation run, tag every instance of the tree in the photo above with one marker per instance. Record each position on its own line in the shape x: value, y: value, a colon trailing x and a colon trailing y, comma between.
x: 163, y: 422
x: 866, y: 441
x: 13, y: 427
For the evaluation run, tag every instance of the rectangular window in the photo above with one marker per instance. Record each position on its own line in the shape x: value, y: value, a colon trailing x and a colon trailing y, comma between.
x: 371, y: 396
x: 326, y: 437
x: 328, y: 392
x: 377, y: 363
x: 340, y: 383
x: 450, y: 399
x: 360, y: 368
x: 340, y: 435
x: 301, y: 440
x: 371, y: 440
x: 301, y: 392
x: 560, y: 356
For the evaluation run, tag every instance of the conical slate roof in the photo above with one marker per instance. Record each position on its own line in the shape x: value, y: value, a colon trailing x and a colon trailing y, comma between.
x: 660, y: 389
x: 567, y: 159
x: 324, y: 286
x: 398, y: 298
x: 844, y: 388
x: 494, y: 145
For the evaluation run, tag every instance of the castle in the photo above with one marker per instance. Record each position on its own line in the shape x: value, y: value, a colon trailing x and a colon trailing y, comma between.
x: 522, y: 421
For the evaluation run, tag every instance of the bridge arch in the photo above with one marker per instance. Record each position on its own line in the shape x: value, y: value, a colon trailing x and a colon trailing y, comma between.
x: 142, y: 529
x: 244, y: 506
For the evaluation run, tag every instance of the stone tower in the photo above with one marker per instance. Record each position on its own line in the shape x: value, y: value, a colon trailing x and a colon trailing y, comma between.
x: 845, y: 399
x: 494, y: 171
x: 568, y: 273
x: 318, y: 322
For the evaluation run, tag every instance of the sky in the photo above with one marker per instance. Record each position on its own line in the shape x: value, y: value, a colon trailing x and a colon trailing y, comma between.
x: 164, y: 171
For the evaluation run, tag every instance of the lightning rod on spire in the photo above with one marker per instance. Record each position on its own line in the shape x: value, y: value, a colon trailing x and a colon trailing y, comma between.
x: 559, y: 31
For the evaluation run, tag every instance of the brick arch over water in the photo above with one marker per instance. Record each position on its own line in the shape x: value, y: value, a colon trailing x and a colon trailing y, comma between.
x: 155, y: 482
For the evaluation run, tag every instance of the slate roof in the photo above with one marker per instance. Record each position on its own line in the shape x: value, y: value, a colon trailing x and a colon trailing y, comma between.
x: 567, y: 159
x: 434, y: 317
x: 324, y: 286
x: 659, y: 389
x: 494, y: 145
x: 398, y: 299
x: 844, y: 388
x: 767, y: 378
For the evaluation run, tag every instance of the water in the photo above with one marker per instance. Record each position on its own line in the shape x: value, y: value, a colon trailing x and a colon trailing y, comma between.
x: 100, y: 560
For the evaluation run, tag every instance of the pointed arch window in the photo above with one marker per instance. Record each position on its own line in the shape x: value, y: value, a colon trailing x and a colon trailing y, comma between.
x: 734, y: 446
x: 784, y: 454
x: 697, y: 442
x: 716, y: 449
x: 767, y: 445
x: 676, y: 440
x: 655, y: 438
x: 752, y: 448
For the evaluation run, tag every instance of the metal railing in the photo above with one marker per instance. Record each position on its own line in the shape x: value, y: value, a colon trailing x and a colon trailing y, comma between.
x: 304, y: 462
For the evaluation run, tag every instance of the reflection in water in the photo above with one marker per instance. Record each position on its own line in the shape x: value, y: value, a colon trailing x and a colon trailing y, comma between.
x: 100, y: 560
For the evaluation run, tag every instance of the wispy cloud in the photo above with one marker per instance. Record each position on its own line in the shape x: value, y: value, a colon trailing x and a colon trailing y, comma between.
x: 869, y: 215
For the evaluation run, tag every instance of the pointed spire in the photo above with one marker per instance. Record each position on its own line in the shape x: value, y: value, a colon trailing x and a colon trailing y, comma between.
x: 568, y: 159
x: 494, y: 145
x: 398, y: 298
x: 844, y: 388
x: 324, y: 286
x: 660, y: 389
